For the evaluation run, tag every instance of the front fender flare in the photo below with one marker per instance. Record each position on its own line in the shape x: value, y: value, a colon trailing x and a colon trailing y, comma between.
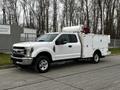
x: 38, y: 51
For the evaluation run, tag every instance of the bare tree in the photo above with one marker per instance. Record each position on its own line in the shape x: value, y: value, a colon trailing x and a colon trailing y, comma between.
x: 87, y: 12
x: 4, y: 12
x: 109, y: 22
x: 118, y: 19
x: 54, y: 15
x: 102, y: 16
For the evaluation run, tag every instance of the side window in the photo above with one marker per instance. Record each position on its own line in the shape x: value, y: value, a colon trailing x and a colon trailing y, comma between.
x: 72, y: 38
x: 63, y: 37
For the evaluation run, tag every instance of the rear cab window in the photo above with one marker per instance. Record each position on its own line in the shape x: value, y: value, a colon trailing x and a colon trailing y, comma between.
x: 72, y: 38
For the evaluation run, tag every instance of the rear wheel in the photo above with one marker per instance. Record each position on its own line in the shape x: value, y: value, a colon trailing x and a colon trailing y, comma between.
x: 96, y: 58
x: 42, y: 64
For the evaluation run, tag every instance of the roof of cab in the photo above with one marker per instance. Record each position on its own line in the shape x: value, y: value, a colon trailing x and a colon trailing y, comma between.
x: 61, y: 33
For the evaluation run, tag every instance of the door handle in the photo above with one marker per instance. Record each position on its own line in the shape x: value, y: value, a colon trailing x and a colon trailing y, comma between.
x: 70, y: 46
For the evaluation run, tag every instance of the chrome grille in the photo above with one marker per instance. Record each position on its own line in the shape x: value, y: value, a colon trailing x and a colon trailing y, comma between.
x: 18, y: 52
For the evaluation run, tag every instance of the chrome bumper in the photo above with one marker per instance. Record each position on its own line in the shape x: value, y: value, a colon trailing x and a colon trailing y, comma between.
x: 22, y: 61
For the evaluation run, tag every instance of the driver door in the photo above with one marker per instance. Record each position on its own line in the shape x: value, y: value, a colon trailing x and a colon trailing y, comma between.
x: 62, y: 51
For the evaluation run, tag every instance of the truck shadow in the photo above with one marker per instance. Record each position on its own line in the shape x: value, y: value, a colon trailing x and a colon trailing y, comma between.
x: 64, y: 64
x: 73, y: 63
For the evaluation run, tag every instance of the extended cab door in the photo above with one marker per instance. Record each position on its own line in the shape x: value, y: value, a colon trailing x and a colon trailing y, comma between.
x: 70, y: 48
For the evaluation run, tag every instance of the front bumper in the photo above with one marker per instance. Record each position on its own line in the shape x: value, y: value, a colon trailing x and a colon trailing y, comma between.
x: 106, y: 53
x: 22, y: 61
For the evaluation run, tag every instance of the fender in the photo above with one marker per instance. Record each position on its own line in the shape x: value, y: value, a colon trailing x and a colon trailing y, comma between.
x: 43, y: 49
x: 98, y: 51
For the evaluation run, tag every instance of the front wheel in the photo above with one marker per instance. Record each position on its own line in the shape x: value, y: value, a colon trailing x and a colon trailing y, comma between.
x: 42, y: 64
x: 96, y: 58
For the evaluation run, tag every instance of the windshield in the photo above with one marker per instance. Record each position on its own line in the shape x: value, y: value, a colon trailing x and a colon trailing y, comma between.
x: 47, y: 38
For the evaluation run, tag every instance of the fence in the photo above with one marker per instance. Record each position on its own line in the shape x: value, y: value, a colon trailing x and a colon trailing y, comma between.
x: 115, y: 43
x: 26, y: 37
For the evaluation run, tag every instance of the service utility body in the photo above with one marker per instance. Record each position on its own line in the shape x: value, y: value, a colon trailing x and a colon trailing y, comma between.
x: 69, y: 44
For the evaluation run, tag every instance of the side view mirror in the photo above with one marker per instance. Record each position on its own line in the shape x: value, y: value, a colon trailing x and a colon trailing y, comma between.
x: 61, y: 42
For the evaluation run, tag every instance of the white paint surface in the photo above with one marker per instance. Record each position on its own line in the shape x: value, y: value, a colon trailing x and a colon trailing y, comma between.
x: 28, y: 30
x: 5, y: 29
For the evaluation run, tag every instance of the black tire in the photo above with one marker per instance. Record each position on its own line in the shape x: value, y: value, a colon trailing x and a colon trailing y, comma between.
x: 96, y: 58
x: 77, y: 60
x: 42, y: 64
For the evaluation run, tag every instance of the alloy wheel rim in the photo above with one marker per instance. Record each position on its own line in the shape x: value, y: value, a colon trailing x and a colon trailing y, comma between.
x: 43, y: 65
x: 96, y: 58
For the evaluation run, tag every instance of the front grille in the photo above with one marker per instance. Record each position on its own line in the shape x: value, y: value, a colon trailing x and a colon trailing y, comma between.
x: 18, y: 47
x: 19, y: 52
x: 18, y: 55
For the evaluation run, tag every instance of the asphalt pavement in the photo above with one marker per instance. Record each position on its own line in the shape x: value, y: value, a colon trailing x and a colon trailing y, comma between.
x: 65, y: 76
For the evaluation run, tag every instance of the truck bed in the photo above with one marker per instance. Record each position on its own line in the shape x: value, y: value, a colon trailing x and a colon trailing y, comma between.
x: 92, y: 42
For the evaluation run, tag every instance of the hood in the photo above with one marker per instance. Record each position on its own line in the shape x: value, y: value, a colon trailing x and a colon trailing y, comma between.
x: 30, y: 44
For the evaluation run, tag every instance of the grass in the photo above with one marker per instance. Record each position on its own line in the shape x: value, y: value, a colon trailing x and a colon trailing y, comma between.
x: 115, y: 51
x: 4, y: 59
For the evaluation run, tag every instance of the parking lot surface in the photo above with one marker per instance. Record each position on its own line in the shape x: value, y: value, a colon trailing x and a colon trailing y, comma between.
x: 65, y: 76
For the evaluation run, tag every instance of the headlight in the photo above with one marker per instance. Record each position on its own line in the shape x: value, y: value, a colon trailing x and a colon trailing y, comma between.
x: 29, y: 51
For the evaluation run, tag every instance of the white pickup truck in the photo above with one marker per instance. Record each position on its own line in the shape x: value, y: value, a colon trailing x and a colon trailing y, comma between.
x: 66, y: 45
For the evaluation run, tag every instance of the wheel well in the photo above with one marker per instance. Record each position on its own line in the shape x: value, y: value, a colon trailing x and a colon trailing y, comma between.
x: 43, y: 54
x: 98, y: 52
